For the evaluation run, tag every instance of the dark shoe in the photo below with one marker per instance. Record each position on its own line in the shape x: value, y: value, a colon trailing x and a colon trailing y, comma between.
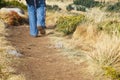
x: 42, y: 30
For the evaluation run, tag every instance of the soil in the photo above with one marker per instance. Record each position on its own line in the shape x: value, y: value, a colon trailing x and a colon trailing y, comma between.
x: 39, y: 62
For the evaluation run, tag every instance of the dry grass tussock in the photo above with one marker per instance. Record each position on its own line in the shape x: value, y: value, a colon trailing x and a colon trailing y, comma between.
x: 85, y: 36
x: 6, y: 71
x: 106, y: 54
x: 101, y: 49
x: 51, y: 19
x: 96, y: 15
x: 13, y: 18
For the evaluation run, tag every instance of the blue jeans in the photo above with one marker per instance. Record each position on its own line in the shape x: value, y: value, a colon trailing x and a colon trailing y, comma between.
x: 36, y: 12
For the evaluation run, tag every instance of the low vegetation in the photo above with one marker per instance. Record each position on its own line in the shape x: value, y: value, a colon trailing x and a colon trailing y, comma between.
x: 68, y: 24
x: 114, y: 7
x: 12, y: 3
x: 87, y: 3
x: 98, y: 40
x: 52, y: 8
x: 82, y: 5
x: 111, y: 27
x: 76, y: 7
x: 104, y: 60
x: 13, y: 18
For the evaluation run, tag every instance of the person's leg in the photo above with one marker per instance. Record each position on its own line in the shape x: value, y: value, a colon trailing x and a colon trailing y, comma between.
x: 41, y: 13
x: 32, y: 17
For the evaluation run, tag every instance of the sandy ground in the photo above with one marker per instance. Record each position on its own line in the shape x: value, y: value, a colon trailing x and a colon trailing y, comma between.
x: 39, y: 62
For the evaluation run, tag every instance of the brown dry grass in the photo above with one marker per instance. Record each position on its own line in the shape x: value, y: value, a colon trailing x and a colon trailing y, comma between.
x: 106, y: 53
x: 99, y: 48
x: 12, y: 18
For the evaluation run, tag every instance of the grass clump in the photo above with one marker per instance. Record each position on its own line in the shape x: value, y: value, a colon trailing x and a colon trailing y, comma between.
x: 112, y: 73
x: 12, y: 3
x: 76, y: 7
x: 84, y: 5
x: 53, y: 8
x: 114, y: 7
x: 104, y: 60
x: 110, y: 27
x: 69, y: 7
x: 13, y: 18
x: 68, y: 24
x: 87, y: 3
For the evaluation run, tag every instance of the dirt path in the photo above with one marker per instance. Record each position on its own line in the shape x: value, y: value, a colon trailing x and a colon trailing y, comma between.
x: 43, y: 63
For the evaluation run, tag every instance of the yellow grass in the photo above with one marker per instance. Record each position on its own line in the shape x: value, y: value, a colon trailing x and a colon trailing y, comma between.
x: 100, y: 49
x: 106, y: 53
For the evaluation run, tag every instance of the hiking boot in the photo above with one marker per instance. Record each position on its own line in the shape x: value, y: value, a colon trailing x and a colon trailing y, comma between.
x: 42, y: 30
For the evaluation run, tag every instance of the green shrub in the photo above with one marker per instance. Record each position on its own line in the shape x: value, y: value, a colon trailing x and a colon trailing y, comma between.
x: 69, y: 7
x: 112, y: 73
x: 56, y: 8
x: 48, y: 7
x: 16, y: 4
x: 81, y: 8
x: 114, y: 8
x: 110, y: 27
x: 75, y: 7
x: 2, y: 3
x: 53, y: 8
x: 68, y: 24
x: 87, y: 3
x: 12, y: 4
x: 82, y: 5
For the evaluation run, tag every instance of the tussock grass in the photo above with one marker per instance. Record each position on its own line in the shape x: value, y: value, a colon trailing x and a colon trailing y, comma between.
x: 106, y: 53
x: 68, y: 24
x: 110, y: 27
x: 96, y: 15
x: 102, y: 51
x: 13, y: 18
x: 85, y: 36
x: 99, y: 49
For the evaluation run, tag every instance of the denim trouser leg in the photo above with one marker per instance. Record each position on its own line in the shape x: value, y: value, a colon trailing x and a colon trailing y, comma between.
x: 32, y: 17
x: 41, y: 13
x: 36, y: 11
